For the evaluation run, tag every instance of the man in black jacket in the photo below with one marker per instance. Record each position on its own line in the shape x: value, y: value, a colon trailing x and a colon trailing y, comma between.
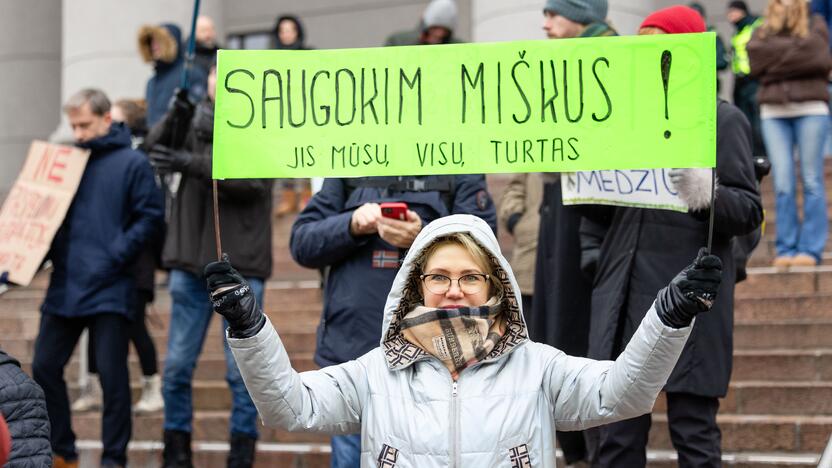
x: 245, y: 222
x: 23, y: 406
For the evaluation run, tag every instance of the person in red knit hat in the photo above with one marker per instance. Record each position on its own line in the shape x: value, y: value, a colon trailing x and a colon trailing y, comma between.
x: 678, y: 19
x: 635, y: 256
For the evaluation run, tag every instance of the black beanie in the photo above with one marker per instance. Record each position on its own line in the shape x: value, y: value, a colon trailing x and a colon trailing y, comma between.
x: 739, y: 5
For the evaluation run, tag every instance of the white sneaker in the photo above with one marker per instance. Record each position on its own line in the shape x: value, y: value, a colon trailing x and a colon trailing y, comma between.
x: 90, y: 398
x: 151, y: 399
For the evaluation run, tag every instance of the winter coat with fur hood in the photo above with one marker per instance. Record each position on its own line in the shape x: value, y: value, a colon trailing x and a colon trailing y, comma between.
x: 167, y: 74
x: 502, y: 411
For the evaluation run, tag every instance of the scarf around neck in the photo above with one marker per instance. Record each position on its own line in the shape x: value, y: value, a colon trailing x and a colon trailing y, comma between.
x: 457, y: 337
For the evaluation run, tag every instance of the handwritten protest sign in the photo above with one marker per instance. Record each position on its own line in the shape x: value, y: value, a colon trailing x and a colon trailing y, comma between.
x: 36, y: 206
x: 556, y: 105
x: 644, y: 188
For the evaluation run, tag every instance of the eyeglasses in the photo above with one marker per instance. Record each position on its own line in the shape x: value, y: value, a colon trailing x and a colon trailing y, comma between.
x: 468, y: 284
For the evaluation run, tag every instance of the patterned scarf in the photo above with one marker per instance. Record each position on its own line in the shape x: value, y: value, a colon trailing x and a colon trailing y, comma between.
x: 457, y: 337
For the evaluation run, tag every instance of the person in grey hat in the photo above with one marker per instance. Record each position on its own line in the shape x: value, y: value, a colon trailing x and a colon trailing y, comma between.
x: 436, y: 27
x: 562, y: 320
x: 576, y: 18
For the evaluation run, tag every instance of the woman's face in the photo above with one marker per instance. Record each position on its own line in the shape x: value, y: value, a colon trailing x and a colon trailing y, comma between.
x: 453, y: 261
x: 287, y: 32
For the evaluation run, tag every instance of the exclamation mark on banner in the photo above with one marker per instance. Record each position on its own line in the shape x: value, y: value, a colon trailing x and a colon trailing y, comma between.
x: 667, y: 57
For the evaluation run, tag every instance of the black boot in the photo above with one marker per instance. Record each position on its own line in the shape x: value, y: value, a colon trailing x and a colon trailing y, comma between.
x: 242, y: 451
x: 177, y: 453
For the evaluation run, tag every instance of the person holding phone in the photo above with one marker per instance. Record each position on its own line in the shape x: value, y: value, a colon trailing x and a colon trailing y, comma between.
x: 454, y: 379
x: 344, y: 231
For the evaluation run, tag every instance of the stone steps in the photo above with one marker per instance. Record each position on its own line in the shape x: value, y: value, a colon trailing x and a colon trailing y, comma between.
x: 775, y: 433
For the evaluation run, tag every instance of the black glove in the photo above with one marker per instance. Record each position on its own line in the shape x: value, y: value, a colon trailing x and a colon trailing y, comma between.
x: 692, y: 291
x: 181, y: 107
x: 166, y: 160
x: 233, y: 299
x: 512, y: 221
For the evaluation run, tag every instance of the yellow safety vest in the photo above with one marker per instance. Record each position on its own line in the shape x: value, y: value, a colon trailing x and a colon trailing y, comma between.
x: 740, y: 63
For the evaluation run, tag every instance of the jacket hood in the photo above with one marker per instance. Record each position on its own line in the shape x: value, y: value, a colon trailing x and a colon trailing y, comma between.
x: 404, y: 295
x: 299, y: 44
x: 117, y: 138
x: 170, y: 38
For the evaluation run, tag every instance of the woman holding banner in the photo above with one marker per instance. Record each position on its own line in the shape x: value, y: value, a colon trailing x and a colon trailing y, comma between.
x: 454, y: 343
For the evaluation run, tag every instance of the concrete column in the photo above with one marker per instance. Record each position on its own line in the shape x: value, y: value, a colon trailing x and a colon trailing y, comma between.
x: 100, y: 48
x: 30, y: 58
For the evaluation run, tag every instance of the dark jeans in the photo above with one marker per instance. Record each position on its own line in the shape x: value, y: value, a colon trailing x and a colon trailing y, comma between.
x: 138, y: 335
x: 53, y: 348
x: 693, y: 432
x: 191, y: 314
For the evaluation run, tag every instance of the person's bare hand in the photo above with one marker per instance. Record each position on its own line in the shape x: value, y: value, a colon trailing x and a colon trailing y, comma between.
x: 365, y: 219
x: 400, y: 233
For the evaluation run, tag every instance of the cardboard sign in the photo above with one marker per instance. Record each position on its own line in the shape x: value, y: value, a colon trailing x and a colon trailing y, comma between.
x: 642, y: 188
x: 534, y: 106
x: 36, y: 207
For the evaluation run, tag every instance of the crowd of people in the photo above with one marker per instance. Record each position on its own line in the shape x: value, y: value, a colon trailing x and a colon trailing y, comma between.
x: 570, y: 340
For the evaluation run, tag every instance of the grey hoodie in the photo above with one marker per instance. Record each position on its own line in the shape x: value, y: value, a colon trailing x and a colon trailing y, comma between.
x: 502, y: 411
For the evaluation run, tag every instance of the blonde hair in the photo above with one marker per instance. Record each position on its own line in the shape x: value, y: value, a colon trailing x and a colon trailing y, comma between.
x: 782, y: 18
x: 481, y: 257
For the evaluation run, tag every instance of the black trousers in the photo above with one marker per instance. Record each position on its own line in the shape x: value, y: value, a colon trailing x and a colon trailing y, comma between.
x: 138, y: 335
x: 745, y: 98
x: 53, y: 348
x: 693, y: 432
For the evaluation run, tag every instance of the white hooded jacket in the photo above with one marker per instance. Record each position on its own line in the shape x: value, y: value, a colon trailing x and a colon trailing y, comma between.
x: 501, y: 412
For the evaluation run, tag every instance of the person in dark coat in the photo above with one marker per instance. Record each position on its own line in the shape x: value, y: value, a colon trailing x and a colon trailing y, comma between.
x: 342, y: 229
x: 162, y: 46
x: 205, y: 44
x: 558, y: 319
x: 116, y: 210
x: 23, y: 406
x: 245, y: 223
x: 132, y: 113
x: 643, y: 248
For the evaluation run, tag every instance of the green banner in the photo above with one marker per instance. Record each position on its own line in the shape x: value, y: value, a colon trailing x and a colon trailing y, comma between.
x: 636, y: 102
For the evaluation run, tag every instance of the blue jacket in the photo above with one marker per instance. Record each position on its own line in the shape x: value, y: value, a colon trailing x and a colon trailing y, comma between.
x: 167, y: 78
x: 117, y: 208
x: 362, y: 269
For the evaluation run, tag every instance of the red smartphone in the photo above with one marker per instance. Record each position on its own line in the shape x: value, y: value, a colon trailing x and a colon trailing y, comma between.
x: 394, y: 210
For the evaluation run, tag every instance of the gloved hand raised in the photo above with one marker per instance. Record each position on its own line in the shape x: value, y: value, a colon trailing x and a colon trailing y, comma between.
x: 692, y: 291
x: 233, y: 299
x: 166, y: 160
x: 181, y: 106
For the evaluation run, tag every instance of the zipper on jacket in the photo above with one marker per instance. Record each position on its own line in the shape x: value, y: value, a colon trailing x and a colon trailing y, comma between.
x: 454, y: 425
